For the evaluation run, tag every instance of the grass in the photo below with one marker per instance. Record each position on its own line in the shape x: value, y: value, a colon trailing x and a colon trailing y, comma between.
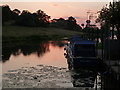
x: 20, y: 31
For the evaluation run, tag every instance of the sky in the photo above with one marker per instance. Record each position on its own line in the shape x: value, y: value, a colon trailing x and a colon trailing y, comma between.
x: 61, y: 9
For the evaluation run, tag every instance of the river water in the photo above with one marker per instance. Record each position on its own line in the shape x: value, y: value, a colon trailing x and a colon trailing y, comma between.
x: 49, y: 53
x: 42, y: 65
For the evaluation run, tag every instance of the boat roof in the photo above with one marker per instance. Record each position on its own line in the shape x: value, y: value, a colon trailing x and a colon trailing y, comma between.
x: 79, y: 40
x: 84, y: 42
x: 75, y: 38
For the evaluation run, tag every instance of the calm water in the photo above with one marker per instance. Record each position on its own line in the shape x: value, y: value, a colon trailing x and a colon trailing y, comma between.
x: 49, y: 53
x: 20, y: 55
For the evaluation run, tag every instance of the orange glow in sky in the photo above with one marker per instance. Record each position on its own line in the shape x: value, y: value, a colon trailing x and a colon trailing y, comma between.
x: 60, y: 9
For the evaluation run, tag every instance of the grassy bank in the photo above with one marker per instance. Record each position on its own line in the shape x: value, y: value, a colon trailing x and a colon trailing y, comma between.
x: 20, y: 32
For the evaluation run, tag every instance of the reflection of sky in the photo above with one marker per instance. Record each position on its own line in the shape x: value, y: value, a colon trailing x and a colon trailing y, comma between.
x: 55, y: 57
x: 60, y: 9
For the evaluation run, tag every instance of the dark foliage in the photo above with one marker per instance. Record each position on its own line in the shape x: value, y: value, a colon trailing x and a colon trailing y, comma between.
x: 110, y: 17
x: 70, y: 24
x: 37, y: 19
x: 25, y: 18
x: 33, y: 19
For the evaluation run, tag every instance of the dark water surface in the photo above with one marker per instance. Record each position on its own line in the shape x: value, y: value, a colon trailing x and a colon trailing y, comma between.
x: 42, y: 64
x: 22, y: 54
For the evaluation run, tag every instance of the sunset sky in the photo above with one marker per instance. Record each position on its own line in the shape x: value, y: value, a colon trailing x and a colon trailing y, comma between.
x: 60, y: 9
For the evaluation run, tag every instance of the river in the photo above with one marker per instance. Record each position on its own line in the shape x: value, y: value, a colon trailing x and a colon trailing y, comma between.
x: 42, y: 65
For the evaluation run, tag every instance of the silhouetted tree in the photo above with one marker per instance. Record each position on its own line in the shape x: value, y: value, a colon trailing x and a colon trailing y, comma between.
x: 42, y: 18
x: 59, y: 23
x: 25, y: 19
x: 110, y: 15
x: 82, y: 25
x: 69, y: 24
x: 72, y: 24
x: 15, y: 14
x: 33, y: 19
x: 16, y: 11
x: 6, y: 14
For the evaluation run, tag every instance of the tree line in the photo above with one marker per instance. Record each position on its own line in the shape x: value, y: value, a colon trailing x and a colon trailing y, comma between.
x: 36, y: 19
x: 24, y: 18
x: 69, y: 23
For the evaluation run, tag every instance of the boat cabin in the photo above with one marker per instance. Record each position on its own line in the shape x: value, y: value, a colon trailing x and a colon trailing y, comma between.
x: 81, y: 48
x: 80, y: 52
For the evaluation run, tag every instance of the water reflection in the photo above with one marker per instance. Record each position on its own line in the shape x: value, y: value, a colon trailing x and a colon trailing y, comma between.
x: 86, y: 76
x: 20, y: 54
x: 28, y: 48
x: 59, y: 44
x: 83, y: 77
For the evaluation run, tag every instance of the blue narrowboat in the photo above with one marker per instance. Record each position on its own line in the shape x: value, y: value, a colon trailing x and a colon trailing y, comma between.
x: 81, y: 52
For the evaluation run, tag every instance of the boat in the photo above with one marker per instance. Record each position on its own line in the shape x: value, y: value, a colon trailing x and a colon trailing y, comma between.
x: 81, y: 52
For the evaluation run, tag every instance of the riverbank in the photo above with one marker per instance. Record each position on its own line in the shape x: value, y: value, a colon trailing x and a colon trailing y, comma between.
x: 24, y: 33
x: 20, y: 33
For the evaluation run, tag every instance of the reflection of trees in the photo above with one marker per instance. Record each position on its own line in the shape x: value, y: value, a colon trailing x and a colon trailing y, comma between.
x: 83, y: 76
x: 58, y: 43
x: 26, y: 48
x: 39, y: 48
